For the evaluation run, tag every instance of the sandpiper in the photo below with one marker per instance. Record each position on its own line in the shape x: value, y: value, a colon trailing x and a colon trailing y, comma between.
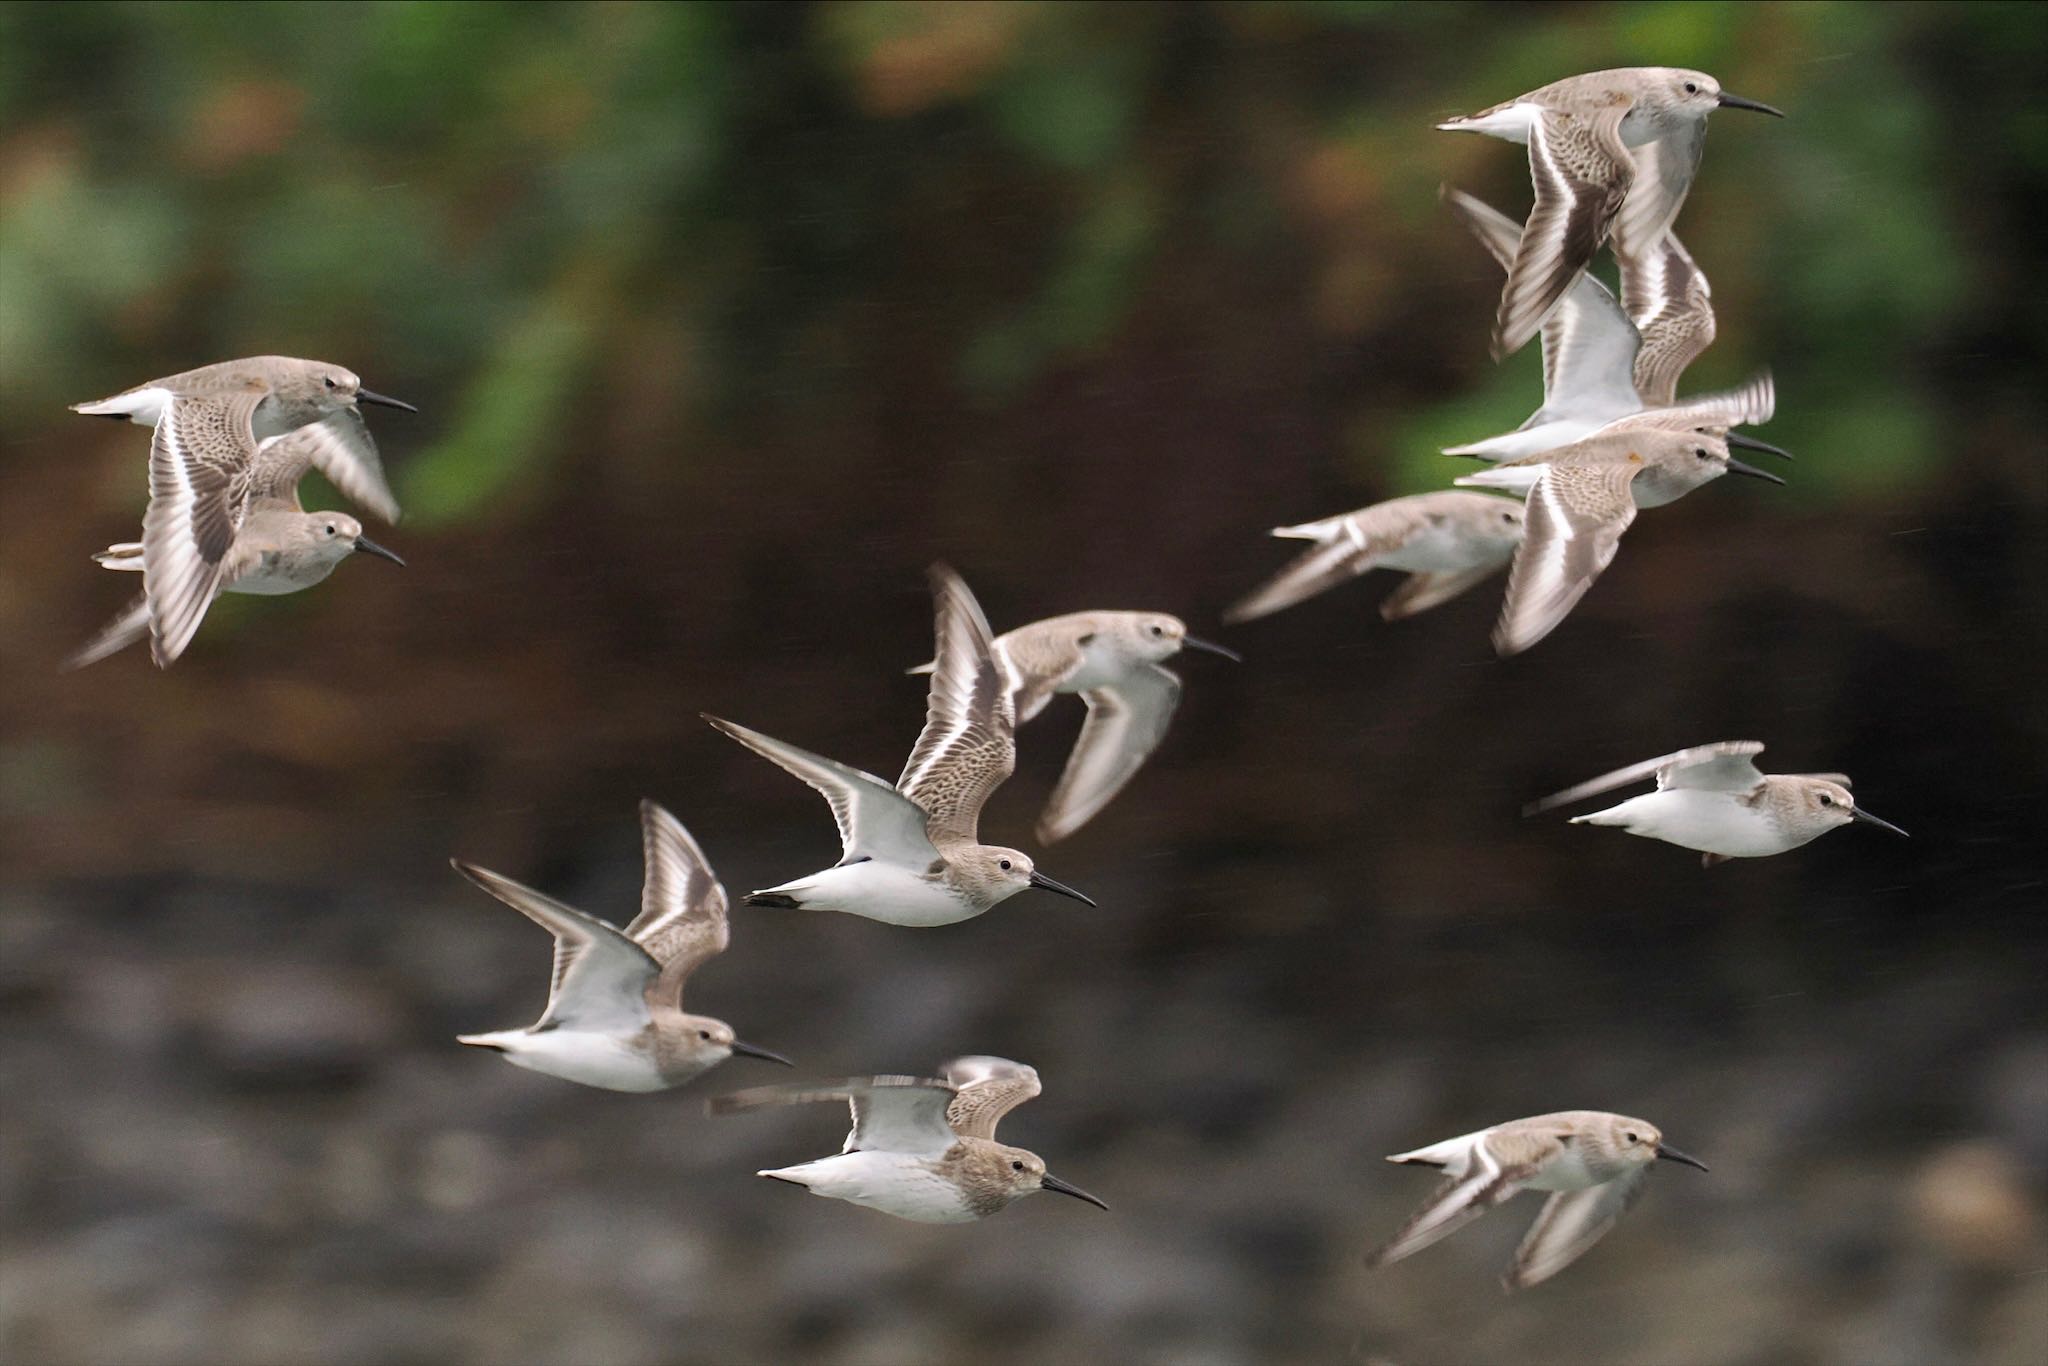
x: 1581, y: 498
x: 1446, y: 541
x: 1600, y: 365
x: 912, y: 854
x: 1587, y: 137
x: 921, y: 1148
x: 243, y: 402
x: 224, y: 517
x: 1713, y: 798
x: 1592, y: 1161
x: 1113, y: 661
x: 615, y: 1016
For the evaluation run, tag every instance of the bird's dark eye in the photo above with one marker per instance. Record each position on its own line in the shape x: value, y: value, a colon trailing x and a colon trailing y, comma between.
x: 1631, y: 1136
x: 1003, y: 864
x: 1158, y: 630
x: 330, y: 381
x: 1016, y: 1166
x: 1691, y: 89
x: 1508, y: 517
x: 1826, y: 800
x: 704, y: 1034
x: 1701, y: 453
x: 330, y: 528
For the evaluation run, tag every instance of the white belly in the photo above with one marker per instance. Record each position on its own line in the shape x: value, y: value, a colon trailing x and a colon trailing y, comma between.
x: 1711, y: 822
x: 1565, y: 1172
x: 894, y: 1183
x: 600, y: 1060
x: 887, y: 892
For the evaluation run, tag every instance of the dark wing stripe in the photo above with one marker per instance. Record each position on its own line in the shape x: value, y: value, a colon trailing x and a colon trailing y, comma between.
x: 1580, y: 172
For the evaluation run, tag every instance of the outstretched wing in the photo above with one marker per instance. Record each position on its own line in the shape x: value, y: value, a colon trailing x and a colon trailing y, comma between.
x: 600, y: 978
x: 1039, y: 658
x: 968, y: 746
x: 986, y: 1089
x: 1590, y: 348
x: 199, y: 462
x: 1465, y: 1195
x: 1751, y: 402
x: 1344, y: 548
x: 1727, y: 765
x: 890, y: 1114
x: 875, y: 820
x: 1126, y: 722
x: 1571, y: 1222
x: 339, y: 446
x: 1572, y: 526
x: 682, y: 920
x: 1671, y: 305
x: 1581, y: 173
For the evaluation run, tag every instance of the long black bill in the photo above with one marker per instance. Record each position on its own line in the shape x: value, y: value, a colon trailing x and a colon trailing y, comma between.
x: 1039, y: 879
x: 1728, y: 101
x: 384, y: 400
x: 1671, y: 1154
x: 1739, y: 467
x: 370, y: 547
x: 1858, y: 813
x: 1053, y: 1183
x: 1750, y: 443
x: 1213, y: 648
x: 747, y: 1050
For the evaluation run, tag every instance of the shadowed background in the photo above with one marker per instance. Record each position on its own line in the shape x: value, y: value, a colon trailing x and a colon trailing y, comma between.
x: 723, y: 323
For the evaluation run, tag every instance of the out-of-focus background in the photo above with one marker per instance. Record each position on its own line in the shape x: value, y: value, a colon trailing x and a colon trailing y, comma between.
x: 725, y: 321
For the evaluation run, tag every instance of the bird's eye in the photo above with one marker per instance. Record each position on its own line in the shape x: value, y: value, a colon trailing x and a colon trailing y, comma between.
x: 1016, y: 1166
x: 704, y: 1034
x: 330, y: 381
x: 1632, y: 1137
x: 1691, y: 89
x: 1701, y: 453
x: 1158, y: 630
x: 1826, y: 800
x: 1508, y: 517
x: 330, y: 528
x: 1003, y: 864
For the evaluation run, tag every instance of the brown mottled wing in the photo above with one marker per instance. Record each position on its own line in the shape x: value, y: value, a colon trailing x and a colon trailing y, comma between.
x: 1572, y: 527
x: 1487, y: 1181
x: 339, y: 446
x: 600, y: 978
x: 1581, y: 173
x: 1126, y: 722
x: 1726, y: 765
x: 1748, y: 403
x: 1668, y: 300
x: 1040, y: 657
x: 682, y: 920
x: 1664, y: 172
x: 199, y: 462
x: 280, y: 463
x: 893, y: 1114
x: 1571, y: 1222
x: 968, y: 746
x: 986, y: 1089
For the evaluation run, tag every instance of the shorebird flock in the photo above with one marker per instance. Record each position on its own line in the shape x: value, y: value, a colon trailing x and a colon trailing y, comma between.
x: 1612, y: 155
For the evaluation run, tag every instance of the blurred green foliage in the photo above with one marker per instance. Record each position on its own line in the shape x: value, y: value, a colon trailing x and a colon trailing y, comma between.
x: 736, y: 212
